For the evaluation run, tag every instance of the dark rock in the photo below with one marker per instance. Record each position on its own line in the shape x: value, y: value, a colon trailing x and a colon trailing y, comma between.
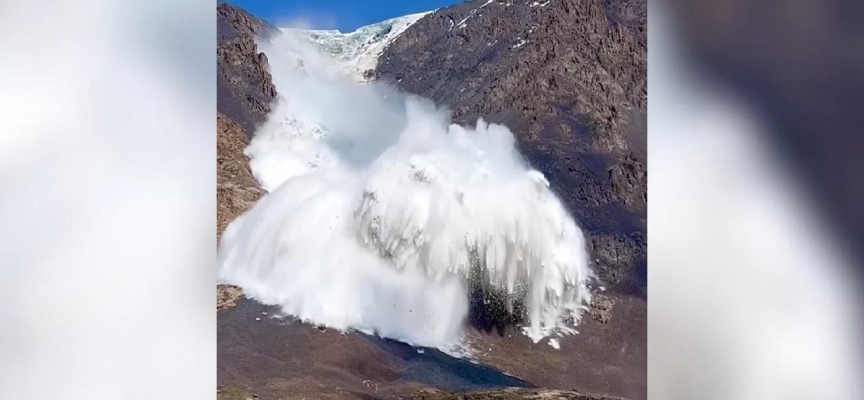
x: 244, y: 86
x: 618, y: 258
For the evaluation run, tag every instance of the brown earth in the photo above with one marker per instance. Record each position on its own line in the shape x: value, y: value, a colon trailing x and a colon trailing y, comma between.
x: 264, y: 354
x: 512, y: 394
x: 236, y: 189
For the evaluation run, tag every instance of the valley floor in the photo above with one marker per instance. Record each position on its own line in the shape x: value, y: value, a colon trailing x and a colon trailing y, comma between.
x: 267, y: 356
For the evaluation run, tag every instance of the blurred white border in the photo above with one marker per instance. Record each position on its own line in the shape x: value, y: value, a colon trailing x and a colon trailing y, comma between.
x: 750, y: 297
x: 107, y: 212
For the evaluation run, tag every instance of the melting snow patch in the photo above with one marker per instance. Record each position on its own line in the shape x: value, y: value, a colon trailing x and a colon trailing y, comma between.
x: 536, y: 3
x: 554, y: 343
x: 462, y: 24
x: 519, y: 43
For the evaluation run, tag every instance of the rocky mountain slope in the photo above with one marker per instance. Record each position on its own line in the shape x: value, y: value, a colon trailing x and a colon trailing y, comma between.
x: 568, y: 77
x: 512, y: 394
x: 360, y: 50
x: 244, y: 93
x: 244, y: 86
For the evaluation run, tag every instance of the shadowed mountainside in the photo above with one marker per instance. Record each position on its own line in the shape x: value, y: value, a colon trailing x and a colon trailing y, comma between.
x: 569, y: 78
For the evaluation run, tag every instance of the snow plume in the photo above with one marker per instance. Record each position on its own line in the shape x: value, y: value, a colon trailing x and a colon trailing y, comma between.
x: 381, y: 214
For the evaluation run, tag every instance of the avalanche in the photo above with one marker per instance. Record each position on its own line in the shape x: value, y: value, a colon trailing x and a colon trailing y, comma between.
x: 381, y: 214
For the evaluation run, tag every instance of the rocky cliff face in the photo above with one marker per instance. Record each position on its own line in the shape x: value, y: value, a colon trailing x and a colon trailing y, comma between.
x: 244, y: 86
x: 569, y: 78
x: 244, y: 93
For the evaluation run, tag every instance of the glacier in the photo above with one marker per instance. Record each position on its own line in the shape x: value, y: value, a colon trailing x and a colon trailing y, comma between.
x: 359, y: 50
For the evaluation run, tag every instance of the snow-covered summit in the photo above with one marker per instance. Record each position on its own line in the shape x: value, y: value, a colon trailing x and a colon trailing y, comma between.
x: 361, y: 48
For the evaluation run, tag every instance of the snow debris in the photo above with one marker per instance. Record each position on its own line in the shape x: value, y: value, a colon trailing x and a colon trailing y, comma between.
x: 519, y: 43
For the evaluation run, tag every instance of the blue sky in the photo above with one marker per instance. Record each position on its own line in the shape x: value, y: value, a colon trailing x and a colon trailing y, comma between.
x: 345, y: 15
